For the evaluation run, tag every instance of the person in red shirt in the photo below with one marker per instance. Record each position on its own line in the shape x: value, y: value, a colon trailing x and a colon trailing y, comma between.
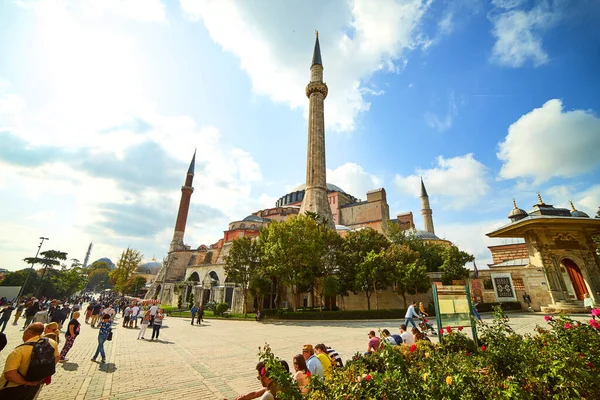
x: 373, y: 344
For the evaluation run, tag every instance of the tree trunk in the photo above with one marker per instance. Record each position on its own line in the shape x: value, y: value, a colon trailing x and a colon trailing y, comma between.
x: 376, y: 298
x: 404, y: 299
x: 368, y: 300
x: 244, y: 294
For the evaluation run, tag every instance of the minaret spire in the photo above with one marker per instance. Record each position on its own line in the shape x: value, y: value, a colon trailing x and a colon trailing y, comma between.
x: 184, y: 207
x: 315, y: 196
x: 426, y: 211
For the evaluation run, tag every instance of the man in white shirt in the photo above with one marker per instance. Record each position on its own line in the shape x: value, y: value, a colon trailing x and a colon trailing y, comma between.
x: 410, y: 314
x: 135, y: 310
x: 407, y: 337
x: 153, y: 311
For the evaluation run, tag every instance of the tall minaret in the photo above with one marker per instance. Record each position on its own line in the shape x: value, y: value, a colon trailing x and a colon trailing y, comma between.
x: 184, y: 206
x: 315, y: 196
x: 426, y: 210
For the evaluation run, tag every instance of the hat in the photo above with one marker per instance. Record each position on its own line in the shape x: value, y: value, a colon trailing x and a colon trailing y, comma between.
x: 308, y: 348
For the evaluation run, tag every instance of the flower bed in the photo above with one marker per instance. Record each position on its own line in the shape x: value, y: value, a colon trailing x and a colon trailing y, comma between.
x: 561, y: 361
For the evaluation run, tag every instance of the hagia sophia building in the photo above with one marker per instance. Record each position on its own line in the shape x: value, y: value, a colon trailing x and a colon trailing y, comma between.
x: 553, y: 267
x: 201, y: 270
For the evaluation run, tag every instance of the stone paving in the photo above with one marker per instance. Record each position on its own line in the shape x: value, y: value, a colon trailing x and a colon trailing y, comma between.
x: 212, y: 361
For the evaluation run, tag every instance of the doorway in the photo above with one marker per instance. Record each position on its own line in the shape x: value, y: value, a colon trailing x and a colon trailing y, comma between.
x: 576, y: 278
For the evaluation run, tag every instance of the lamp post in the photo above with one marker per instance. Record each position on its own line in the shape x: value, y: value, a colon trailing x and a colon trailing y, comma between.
x: 32, y: 264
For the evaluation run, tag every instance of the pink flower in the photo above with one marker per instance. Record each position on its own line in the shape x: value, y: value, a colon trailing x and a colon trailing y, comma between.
x: 460, y: 328
x: 368, y: 377
x: 547, y: 318
x: 568, y: 326
x: 596, y: 312
x: 590, y: 365
x: 448, y: 329
x: 483, y: 348
x: 413, y: 348
x: 594, y: 324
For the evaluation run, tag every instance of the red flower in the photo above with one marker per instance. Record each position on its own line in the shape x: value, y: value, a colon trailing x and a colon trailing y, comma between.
x: 460, y: 328
x: 590, y: 365
x: 426, y: 320
x: 368, y: 377
x: 468, y: 354
x: 308, y: 374
x: 441, y: 331
x: 547, y: 318
x: 448, y: 329
x: 568, y: 326
x: 413, y: 348
x: 483, y: 348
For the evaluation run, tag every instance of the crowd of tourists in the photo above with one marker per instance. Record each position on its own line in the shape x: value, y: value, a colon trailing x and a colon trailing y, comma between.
x: 32, y: 363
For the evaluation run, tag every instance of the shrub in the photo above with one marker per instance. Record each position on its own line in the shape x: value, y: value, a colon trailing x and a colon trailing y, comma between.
x: 221, y: 308
x: 560, y: 361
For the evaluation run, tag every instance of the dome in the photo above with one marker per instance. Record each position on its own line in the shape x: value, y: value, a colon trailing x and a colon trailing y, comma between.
x: 342, y: 228
x: 149, y: 268
x: 330, y: 188
x: 576, y: 213
x: 255, y: 218
x: 517, y: 213
x: 422, y: 234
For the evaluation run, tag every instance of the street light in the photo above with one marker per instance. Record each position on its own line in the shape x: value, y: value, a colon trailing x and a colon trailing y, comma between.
x: 32, y: 264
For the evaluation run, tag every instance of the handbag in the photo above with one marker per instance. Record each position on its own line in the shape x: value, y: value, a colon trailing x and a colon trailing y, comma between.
x: 109, y: 338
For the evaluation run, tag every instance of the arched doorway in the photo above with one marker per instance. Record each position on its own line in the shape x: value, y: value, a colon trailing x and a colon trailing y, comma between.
x: 576, y: 278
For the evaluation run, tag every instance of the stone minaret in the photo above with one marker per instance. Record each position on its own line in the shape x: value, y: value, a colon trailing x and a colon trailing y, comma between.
x: 315, y: 197
x: 426, y: 210
x: 184, y: 207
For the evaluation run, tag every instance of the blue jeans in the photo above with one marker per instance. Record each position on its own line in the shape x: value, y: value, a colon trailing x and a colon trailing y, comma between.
x: 100, y: 348
x: 411, y: 320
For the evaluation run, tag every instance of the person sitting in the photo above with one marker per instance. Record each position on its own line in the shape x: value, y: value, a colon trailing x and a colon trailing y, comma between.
x: 373, y: 343
x: 335, y: 357
x: 407, y: 338
x: 302, y: 375
x: 385, y: 334
x: 258, y: 316
x: 271, y: 387
x: 258, y: 393
x: 422, y: 309
x: 314, y: 365
x: 321, y: 352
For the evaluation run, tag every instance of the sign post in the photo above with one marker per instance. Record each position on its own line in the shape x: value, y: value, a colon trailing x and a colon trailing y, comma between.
x: 453, y: 307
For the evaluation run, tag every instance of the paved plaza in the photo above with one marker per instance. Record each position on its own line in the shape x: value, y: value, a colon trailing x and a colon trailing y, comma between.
x: 212, y: 361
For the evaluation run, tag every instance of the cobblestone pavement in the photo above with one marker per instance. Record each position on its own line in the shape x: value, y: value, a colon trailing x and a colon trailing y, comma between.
x: 212, y: 361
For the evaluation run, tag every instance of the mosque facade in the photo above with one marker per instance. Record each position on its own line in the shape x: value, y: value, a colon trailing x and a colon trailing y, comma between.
x: 201, y: 270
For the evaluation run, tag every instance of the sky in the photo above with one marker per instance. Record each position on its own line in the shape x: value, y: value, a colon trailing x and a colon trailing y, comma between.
x: 102, y: 103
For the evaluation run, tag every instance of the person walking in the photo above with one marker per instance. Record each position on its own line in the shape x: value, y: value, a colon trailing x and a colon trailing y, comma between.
x: 194, y: 310
x: 88, y: 313
x: 6, y: 312
x: 95, y: 313
x: 70, y: 336
x: 19, y: 312
x: 200, y: 315
x: 144, y: 324
x: 158, y: 321
x: 30, y: 312
x: 410, y: 315
x: 41, y: 316
x: 135, y: 312
x: 102, y: 336
x: 153, y: 311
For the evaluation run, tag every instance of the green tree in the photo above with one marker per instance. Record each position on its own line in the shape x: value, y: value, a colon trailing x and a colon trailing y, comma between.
x: 430, y: 253
x: 68, y: 281
x: 190, y: 300
x: 98, y: 279
x: 130, y: 260
x: 331, y: 287
x: 260, y: 286
x: 373, y: 273
x: 134, y: 284
x: 179, y: 302
x: 292, y: 251
x: 411, y: 279
x: 17, y: 278
x: 351, y: 262
x: 240, y: 264
x: 49, y: 259
x: 453, y: 267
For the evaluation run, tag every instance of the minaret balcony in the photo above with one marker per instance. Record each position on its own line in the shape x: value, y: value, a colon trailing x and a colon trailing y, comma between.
x: 316, y: 87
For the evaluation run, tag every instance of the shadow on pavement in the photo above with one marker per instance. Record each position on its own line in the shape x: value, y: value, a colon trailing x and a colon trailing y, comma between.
x: 108, y: 368
x: 70, y: 366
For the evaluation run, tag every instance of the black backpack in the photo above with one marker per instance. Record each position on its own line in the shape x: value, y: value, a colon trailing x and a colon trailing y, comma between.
x: 43, y: 361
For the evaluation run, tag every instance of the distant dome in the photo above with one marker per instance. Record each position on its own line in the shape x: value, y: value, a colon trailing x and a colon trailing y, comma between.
x: 422, y: 234
x: 342, y: 228
x: 255, y: 218
x: 108, y: 261
x: 330, y: 188
x: 149, y: 268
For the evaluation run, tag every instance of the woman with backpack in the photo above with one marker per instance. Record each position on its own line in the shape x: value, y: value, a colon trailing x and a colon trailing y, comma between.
x: 70, y: 336
x: 102, y: 337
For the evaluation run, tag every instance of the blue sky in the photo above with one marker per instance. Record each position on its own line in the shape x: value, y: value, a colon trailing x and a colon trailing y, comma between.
x: 103, y: 102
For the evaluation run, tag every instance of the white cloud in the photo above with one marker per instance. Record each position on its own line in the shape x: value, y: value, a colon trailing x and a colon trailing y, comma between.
x: 454, y: 183
x: 443, y: 123
x: 470, y: 237
x: 137, y: 10
x: 518, y: 32
x: 353, y: 179
x: 550, y: 142
x: 275, y: 43
x: 586, y: 200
